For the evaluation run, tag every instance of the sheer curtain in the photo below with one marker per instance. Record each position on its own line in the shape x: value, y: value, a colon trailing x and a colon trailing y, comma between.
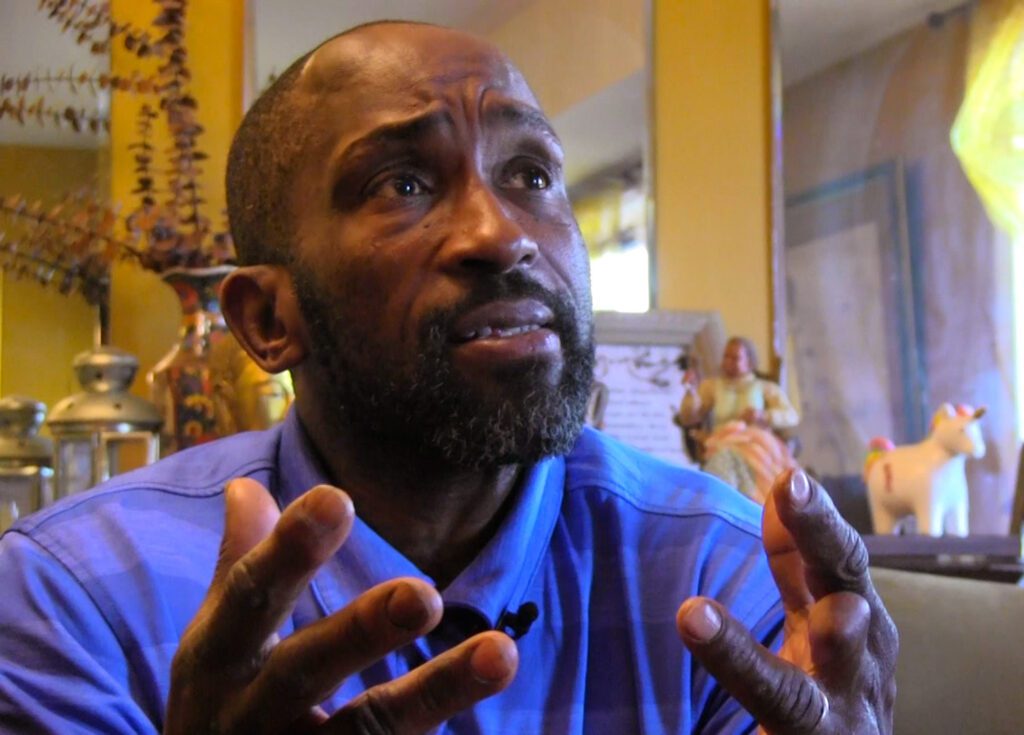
x: 900, y: 284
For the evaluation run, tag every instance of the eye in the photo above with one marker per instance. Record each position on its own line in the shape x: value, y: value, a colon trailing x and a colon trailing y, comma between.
x: 407, y: 186
x: 400, y: 186
x: 529, y: 176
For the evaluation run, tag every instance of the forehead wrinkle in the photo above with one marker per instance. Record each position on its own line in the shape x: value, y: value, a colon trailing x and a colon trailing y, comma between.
x: 353, y: 84
x: 405, y: 130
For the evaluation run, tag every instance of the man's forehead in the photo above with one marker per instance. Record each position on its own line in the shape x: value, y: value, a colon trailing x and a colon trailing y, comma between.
x: 398, y: 58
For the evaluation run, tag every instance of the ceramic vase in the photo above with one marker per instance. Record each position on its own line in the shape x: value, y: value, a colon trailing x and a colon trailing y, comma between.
x: 182, y: 384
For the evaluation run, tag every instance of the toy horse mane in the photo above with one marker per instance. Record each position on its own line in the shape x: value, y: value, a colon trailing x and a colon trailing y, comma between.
x: 962, y: 410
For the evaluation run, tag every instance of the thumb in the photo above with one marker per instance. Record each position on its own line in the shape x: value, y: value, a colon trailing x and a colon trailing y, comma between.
x: 250, y: 515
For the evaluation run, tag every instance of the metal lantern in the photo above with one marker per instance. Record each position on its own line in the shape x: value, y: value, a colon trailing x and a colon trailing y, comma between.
x: 26, y: 478
x: 97, y: 429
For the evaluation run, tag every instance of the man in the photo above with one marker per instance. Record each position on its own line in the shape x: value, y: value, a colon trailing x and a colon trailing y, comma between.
x: 410, y: 255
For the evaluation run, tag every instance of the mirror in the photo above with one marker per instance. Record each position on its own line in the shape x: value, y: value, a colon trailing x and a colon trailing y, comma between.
x: 602, y: 78
x: 41, y: 329
x: 899, y: 285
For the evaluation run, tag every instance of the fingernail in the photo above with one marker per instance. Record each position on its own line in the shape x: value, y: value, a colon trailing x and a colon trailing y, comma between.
x: 491, y: 661
x: 799, y: 489
x: 409, y: 608
x: 702, y: 622
x: 327, y: 508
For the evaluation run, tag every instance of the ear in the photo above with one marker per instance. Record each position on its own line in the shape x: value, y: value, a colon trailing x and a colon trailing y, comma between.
x: 260, y: 306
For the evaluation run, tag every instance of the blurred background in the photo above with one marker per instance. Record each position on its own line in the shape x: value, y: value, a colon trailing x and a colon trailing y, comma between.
x: 839, y: 181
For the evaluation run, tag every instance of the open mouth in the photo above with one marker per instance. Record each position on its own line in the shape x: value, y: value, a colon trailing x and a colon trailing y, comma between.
x: 497, y: 332
x: 502, y: 320
x: 506, y: 332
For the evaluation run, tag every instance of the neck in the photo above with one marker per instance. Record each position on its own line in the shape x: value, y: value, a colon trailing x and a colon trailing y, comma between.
x: 438, y: 516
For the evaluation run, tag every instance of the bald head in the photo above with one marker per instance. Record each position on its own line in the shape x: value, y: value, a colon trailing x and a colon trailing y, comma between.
x: 388, y: 59
x: 397, y: 55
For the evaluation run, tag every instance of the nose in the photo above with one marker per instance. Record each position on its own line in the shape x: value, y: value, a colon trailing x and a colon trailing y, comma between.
x: 483, y: 237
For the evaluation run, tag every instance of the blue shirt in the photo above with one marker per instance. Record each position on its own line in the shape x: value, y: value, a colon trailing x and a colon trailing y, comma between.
x: 607, y: 542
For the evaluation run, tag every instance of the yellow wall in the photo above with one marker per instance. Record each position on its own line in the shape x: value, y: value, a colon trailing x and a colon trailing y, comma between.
x: 712, y: 160
x: 711, y: 144
x: 711, y: 132
x: 711, y: 140
x: 42, y: 330
x: 144, y: 312
x: 569, y: 50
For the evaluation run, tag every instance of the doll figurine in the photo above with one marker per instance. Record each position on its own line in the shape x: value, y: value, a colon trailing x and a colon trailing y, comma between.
x: 736, y: 418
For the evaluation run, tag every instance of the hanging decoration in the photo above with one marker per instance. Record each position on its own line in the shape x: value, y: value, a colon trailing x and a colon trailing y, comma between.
x: 988, y: 135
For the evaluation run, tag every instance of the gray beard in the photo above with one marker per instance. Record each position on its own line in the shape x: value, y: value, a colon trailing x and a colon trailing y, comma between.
x: 420, y: 404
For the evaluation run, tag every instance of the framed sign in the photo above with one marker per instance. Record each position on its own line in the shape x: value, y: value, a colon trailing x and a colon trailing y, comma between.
x: 639, y: 369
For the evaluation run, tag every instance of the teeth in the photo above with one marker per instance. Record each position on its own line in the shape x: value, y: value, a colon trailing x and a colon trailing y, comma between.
x: 501, y: 332
x: 513, y: 331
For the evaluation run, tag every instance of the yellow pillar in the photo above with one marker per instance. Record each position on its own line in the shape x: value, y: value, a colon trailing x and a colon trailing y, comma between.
x: 712, y: 161
x: 144, y: 312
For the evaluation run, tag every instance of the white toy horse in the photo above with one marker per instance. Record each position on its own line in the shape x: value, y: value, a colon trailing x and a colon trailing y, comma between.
x: 927, y: 479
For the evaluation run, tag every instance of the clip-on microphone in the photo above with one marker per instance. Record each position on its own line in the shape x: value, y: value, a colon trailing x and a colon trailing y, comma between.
x: 517, y: 624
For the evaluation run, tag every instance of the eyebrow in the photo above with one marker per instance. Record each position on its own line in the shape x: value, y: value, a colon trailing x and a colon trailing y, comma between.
x: 390, y: 134
x: 522, y: 116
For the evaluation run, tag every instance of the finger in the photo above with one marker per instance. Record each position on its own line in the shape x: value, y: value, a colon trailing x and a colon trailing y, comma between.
x: 787, y: 565
x: 838, y: 632
x: 814, y: 554
x: 306, y: 667
x: 257, y: 591
x: 249, y: 517
x: 803, y: 531
x: 778, y: 694
x: 427, y: 696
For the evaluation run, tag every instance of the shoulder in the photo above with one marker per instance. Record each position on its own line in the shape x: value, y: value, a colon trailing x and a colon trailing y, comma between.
x: 124, y: 567
x: 601, y: 465
x: 153, y: 515
x: 196, y: 472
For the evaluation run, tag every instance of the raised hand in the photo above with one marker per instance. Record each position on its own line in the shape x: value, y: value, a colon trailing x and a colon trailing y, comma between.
x: 835, y: 672
x: 231, y: 674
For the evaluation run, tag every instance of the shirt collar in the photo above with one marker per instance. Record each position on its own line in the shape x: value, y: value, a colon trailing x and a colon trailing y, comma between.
x: 494, y: 582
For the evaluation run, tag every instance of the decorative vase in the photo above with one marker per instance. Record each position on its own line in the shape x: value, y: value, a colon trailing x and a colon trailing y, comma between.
x: 181, y: 384
x: 207, y: 386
